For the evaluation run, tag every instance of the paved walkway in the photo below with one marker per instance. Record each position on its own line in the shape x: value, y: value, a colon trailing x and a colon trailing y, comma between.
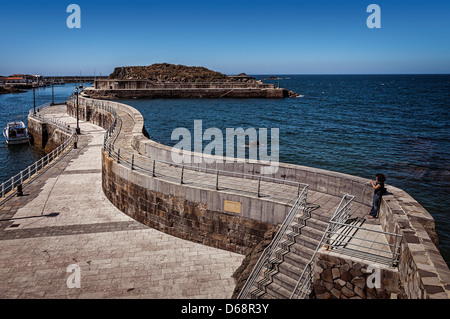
x: 64, y: 219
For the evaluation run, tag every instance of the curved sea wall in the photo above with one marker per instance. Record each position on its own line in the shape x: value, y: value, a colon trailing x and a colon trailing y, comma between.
x: 198, y: 214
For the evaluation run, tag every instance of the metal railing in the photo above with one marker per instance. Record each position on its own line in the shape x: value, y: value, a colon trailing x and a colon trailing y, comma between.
x: 346, y: 239
x: 145, y: 84
x: 264, y: 259
x: 263, y: 186
x: 339, y: 235
x: 304, y: 283
x: 7, y: 188
x: 60, y: 124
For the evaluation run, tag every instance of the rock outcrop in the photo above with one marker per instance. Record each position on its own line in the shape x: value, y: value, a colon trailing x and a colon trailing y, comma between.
x: 165, y: 72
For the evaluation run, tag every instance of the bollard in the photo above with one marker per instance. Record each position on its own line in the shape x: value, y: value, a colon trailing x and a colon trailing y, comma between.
x: 217, y: 181
x: 182, y: 173
x: 19, y: 190
x: 153, y: 170
x: 259, y: 186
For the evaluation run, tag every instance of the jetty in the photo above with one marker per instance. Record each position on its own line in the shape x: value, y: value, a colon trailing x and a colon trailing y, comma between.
x: 65, y: 219
x: 138, y: 225
x: 165, y: 80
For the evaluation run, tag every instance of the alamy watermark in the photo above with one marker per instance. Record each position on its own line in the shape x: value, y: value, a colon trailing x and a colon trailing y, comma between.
x: 236, y: 139
x: 374, y: 279
x: 74, y: 19
x: 374, y: 19
x: 74, y: 279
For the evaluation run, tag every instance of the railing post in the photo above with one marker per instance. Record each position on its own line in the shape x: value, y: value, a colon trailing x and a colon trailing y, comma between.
x: 259, y: 186
x: 153, y: 169
x: 3, y: 190
x: 217, y: 181
x: 182, y: 173
x: 132, y: 161
x: 118, y: 156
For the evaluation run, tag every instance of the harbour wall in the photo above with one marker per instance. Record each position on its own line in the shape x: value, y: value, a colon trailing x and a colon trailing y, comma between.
x: 123, y: 89
x: 186, y: 211
x: 45, y: 134
x: 187, y: 93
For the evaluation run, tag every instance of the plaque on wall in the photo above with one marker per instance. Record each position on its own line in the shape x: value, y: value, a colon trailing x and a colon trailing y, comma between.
x: 232, y: 207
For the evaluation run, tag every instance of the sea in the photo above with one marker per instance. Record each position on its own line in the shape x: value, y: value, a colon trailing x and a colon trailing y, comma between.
x: 398, y: 125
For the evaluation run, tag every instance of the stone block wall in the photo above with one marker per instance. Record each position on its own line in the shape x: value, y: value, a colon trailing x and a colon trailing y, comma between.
x: 89, y: 114
x: 423, y: 271
x: 46, y: 135
x: 179, y: 210
x: 188, y: 93
x: 339, y: 278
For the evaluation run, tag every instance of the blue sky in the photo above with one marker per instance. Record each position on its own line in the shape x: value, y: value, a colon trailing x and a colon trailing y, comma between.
x: 256, y: 37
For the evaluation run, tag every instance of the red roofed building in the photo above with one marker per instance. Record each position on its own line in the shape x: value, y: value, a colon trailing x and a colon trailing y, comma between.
x: 20, y: 78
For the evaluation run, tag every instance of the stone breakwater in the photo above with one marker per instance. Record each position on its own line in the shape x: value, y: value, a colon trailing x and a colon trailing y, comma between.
x: 123, y: 89
x: 421, y: 271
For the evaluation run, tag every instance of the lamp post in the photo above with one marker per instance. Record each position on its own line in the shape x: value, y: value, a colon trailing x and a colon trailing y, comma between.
x: 78, y: 126
x: 34, y: 102
x: 53, y: 95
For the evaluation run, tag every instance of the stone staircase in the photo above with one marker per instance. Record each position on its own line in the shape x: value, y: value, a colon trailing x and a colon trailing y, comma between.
x: 294, y: 252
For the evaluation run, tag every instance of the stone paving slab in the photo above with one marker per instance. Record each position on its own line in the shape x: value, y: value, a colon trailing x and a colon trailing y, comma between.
x: 65, y: 219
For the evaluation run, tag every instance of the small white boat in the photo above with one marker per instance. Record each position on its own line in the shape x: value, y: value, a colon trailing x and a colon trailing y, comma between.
x: 16, y: 133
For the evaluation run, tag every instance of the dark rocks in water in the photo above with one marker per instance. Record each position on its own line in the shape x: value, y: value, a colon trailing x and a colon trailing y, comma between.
x: 10, y: 89
x: 293, y: 94
x: 274, y: 77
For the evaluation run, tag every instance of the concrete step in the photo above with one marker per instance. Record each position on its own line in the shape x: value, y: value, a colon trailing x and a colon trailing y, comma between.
x: 255, y: 293
x: 275, y: 291
x: 294, y: 264
x: 321, y: 215
x: 284, y: 281
x: 306, y: 242
x: 311, y: 232
x: 318, y: 224
x: 303, y: 251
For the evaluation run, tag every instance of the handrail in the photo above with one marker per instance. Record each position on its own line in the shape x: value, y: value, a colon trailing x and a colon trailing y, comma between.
x: 26, y: 175
x: 306, y: 285
x: 267, y: 253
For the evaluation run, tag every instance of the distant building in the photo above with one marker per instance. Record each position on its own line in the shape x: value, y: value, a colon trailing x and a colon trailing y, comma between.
x: 21, y: 79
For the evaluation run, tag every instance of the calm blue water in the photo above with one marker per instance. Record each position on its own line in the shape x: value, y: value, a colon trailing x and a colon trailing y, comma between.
x: 15, y: 158
x: 355, y: 124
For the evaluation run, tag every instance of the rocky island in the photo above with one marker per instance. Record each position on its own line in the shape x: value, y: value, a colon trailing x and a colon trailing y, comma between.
x: 165, y: 80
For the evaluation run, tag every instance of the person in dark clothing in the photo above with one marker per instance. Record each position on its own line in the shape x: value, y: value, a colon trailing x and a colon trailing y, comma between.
x: 378, y: 190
